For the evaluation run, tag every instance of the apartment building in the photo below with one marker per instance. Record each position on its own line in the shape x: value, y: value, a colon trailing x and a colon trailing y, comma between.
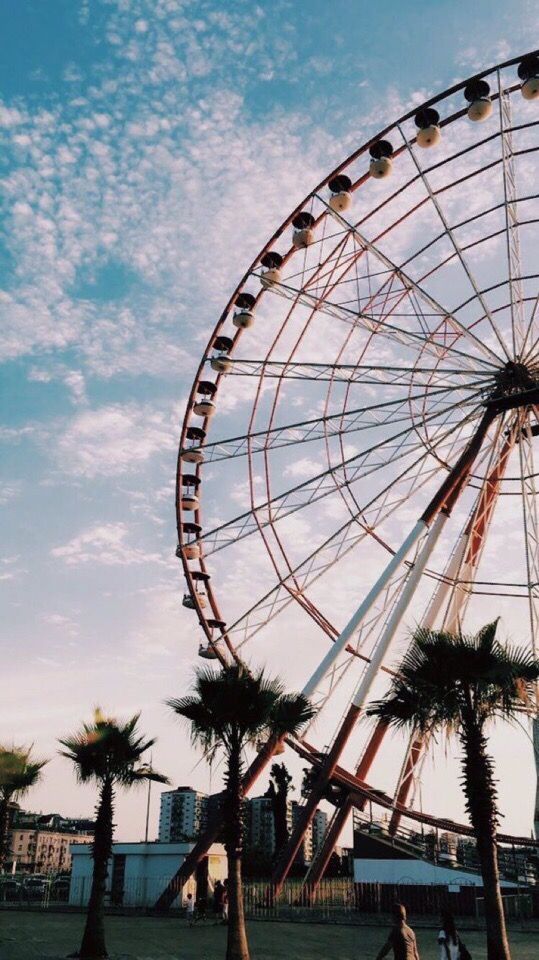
x: 183, y: 814
x: 40, y: 843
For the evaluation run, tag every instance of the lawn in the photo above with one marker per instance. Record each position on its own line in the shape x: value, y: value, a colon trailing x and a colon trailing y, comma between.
x: 43, y: 936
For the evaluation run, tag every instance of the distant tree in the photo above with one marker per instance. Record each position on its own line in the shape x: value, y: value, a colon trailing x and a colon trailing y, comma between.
x: 18, y: 773
x: 110, y: 754
x: 457, y: 684
x: 229, y: 710
x: 278, y: 791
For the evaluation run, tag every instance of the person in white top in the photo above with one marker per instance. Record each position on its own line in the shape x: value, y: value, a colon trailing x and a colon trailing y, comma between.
x: 448, y: 938
x: 190, y: 909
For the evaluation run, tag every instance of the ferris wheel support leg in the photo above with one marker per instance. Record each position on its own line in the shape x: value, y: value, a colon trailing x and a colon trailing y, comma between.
x: 465, y: 558
x: 436, y: 513
x: 212, y: 831
x: 338, y: 823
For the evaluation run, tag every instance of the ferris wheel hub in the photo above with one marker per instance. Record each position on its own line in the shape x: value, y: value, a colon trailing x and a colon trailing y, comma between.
x: 514, y: 381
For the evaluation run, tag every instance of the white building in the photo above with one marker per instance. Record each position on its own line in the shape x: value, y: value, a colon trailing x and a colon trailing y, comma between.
x: 183, y: 815
x: 139, y: 872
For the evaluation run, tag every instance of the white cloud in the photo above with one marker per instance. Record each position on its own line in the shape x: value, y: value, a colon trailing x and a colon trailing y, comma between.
x: 113, y: 440
x: 103, y: 544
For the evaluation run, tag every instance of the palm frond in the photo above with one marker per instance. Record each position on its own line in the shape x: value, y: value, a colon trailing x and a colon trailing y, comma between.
x: 108, y: 749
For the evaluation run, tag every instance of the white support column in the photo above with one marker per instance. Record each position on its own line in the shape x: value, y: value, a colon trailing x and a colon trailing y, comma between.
x: 325, y: 665
x: 392, y: 625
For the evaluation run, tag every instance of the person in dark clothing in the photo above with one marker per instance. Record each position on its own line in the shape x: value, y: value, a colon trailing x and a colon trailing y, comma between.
x: 218, y: 894
x: 401, y: 939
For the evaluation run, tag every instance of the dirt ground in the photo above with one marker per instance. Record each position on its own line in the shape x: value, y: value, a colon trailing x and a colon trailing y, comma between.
x: 43, y: 936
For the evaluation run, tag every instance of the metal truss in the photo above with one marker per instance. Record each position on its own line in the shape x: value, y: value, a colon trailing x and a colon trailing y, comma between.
x: 401, y: 445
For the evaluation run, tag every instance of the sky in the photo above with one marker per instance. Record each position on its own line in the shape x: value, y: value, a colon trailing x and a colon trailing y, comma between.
x: 148, y: 148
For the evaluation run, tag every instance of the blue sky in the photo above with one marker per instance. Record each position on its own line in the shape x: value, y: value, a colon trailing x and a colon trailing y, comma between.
x: 147, y: 149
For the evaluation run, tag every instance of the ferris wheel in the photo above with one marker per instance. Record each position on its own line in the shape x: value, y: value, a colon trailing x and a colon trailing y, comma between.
x: 357, y: 452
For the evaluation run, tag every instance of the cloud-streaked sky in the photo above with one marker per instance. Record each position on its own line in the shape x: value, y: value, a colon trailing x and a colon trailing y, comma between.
x: 147, y: 150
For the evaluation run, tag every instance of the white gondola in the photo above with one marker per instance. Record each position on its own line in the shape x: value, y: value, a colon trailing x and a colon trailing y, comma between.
x: 341, y: 198
x: 528, y: 71
x: 192, y: 551
x: 303, y: 235
x: 271, y: 274
x: 477, y: 93
x: 189, y: 483
x: 193, y: 454
x: 221, y: 362
x: 381, y: 164
x: 189, y: 501
x: 428, y: 128
x: 204, y: 406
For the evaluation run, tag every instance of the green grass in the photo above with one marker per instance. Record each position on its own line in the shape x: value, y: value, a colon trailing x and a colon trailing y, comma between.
x: 43, y: 936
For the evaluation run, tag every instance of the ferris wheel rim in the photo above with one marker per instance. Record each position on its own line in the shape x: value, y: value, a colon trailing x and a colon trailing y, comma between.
x: 231, y: 648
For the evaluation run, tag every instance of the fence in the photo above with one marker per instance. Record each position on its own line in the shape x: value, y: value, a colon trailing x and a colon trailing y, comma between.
x: 338, y: 900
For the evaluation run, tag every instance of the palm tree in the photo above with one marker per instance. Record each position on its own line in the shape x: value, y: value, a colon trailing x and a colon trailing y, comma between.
x: 18, y: 772
x: 454, y: 683
x: 278, y: 791
x: 229, y: 710
x: 108, y: 753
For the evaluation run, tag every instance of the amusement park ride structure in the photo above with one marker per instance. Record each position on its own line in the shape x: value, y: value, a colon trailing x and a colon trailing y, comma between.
x: 441, y: 400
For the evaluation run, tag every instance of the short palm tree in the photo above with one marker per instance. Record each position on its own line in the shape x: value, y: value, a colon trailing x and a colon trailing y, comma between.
x: 108, y: 753
x: 228, y: 710
x: 455, y: 683
x: 18, y: 772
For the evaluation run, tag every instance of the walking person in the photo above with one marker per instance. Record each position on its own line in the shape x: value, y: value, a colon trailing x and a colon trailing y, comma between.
x: 401, y: 938
x: 190, y: 909
x: 451, y: 946
x: 224, y: 908
x: 218, y: 892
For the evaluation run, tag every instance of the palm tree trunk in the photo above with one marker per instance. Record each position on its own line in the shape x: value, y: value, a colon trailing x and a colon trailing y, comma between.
x: 4, y: 831
x: 237, y: 946
x: 93, y: 941
x: 480, y: 793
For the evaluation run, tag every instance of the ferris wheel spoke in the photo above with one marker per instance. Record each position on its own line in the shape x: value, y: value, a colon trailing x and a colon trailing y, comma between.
x: 331, y: 425
x: 408, y: 284
x: 299, y: 496
x: 331, y: 551
x: 456, y: 246
x: 389, y: 376
x: 437, y: 344
x: 514, y: 265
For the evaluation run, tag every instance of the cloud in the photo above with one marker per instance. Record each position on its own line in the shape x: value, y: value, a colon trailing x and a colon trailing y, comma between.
x: 105, y: 544
x: 113, y: 440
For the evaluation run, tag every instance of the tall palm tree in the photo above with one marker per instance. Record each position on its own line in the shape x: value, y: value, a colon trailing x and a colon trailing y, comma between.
x: 18, y: 772
x: 457, y: 684
x: 278, y: 791
x: 108, y: 753
x: 228, y: 710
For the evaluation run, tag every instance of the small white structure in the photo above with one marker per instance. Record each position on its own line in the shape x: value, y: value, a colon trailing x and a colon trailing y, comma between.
x: 395, y: 871
x: 139, y: 872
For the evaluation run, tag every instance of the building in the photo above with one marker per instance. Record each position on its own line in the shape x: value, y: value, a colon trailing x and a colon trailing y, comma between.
x: 260, y: 828
x: 139, y: 872
x: 183, y: 815
x: 40, y: 843
x: 320, y: 825
x: 43, y: 850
